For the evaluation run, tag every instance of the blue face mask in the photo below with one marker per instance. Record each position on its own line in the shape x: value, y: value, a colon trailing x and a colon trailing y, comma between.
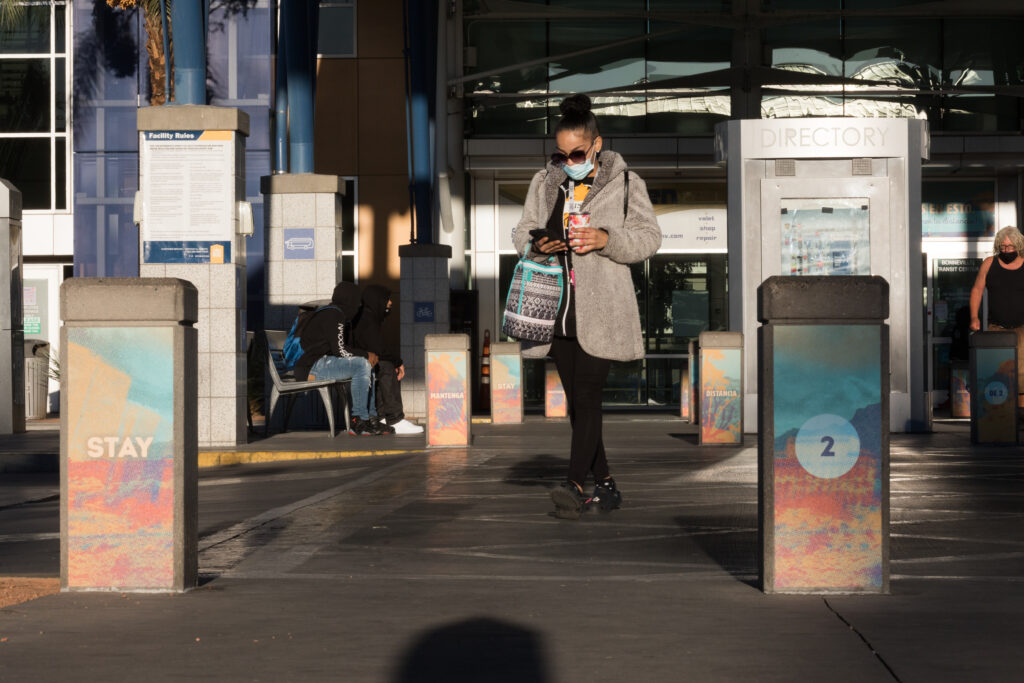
x: 579, y: 171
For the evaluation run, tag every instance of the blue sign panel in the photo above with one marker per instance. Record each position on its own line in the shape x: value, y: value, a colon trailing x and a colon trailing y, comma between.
x: 423, y: 312
x: 187, y: 252
x: 299, y: 244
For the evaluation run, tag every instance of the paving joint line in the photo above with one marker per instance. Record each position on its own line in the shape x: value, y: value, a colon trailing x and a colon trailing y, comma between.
x: 863, y: 638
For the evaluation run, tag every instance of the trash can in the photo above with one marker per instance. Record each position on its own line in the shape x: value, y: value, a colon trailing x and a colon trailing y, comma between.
x: 37, y: 378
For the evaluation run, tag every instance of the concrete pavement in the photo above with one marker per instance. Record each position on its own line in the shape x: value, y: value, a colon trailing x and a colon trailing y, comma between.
x: 446, y: 565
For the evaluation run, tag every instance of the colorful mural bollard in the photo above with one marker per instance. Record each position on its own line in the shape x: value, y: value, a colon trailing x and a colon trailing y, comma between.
x: 994, y: 387
x: 128, y: 435
x: 960, y: 390
x: 721, y: 388
x: 555, y: 403
x: 448, y: 396
x: 824, y: 447
x: 685, y: 410
x: 506, y: 383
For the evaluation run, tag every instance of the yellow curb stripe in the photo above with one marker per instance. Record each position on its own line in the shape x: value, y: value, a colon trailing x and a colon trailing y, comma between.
x: 218, y: 458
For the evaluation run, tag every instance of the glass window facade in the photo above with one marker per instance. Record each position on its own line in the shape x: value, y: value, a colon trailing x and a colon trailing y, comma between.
x: 678, y: 68
x: 33, y: 106
x: 336, y: 35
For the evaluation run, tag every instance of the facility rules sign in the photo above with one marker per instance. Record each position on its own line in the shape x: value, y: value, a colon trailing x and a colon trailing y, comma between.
x: 188, y: 189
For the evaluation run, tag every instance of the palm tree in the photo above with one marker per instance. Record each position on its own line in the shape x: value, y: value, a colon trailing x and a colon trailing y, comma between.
x: 11, y: 12
x: 154, y: 46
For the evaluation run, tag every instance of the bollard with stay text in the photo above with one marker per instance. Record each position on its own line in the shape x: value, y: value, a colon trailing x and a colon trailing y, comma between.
x: 506, y: 383
x: 823, y: 400
x: 448, y: 396
x: 129, y: 479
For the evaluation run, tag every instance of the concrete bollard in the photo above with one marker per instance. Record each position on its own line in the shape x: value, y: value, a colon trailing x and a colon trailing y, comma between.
x: 506, y: 383
x: 960, y: 389
x: 555, y: 403
x: 128, y: 441
x: 693, y: 380
x: 721, y: 388
x: 823, y: 407
x: 685, y: 410
x: 448, y: 395
x: 994, y: 387
x: 12, y: 348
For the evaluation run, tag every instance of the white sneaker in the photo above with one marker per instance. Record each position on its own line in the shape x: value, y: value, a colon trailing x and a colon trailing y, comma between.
x: 406, y: 427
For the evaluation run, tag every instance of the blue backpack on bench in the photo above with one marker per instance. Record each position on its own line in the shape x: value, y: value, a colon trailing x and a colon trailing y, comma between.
x: 293, y: 350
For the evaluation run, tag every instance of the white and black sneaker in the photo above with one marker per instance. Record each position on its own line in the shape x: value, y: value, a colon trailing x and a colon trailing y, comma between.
x: 403, y: 427
x: 606, y: 496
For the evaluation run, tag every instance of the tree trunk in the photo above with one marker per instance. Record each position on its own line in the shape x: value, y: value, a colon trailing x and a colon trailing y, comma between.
x: 155, y: 52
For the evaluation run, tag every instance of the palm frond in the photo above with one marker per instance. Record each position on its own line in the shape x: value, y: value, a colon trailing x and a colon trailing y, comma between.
x: 11, y: 13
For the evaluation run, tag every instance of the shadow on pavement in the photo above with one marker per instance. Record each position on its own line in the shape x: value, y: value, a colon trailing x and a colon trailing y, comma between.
x: 540, y: 470
x: 475, y: 650
x: 736, y: 550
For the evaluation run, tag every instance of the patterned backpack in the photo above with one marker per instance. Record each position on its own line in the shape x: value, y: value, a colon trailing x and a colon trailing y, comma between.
x: 533, y: 301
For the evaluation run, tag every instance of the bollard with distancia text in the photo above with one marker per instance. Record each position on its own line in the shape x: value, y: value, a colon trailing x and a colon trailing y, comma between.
x: 720, y: 407
x: 129, y: 478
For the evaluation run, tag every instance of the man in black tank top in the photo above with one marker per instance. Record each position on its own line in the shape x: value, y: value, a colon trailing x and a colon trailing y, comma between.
x: 1003, y: 276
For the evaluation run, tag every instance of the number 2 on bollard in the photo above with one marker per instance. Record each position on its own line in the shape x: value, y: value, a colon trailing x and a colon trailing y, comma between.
x: 827, y: 453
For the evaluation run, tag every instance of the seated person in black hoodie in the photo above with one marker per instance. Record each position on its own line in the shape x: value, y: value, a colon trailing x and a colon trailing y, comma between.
x: 388, y: 367
x: 327, y: 354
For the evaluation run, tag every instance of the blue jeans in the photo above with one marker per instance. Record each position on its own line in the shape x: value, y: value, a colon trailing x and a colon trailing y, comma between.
x: 355, y: 368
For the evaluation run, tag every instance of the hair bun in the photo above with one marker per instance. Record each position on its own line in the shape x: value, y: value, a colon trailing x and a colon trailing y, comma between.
x: 575, y: 104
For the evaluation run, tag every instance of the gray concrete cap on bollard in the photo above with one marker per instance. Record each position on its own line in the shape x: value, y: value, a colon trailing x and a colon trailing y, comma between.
x: 721, y: 340
x: 506, y: 348
x: 150, y: 300
x: 446, y: 342
x: 994, y: 339
x: 845, y: 298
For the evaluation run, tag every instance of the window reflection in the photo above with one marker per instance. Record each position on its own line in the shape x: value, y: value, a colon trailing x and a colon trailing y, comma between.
x: 678, y: 75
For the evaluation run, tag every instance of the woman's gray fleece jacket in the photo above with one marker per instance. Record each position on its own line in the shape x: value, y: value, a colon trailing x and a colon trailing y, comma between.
x: 607, y: 318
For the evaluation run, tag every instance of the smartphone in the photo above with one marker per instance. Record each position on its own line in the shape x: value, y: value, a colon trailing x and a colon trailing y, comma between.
x: 538, y: 233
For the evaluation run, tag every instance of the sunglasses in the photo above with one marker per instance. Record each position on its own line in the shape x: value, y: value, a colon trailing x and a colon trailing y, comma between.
x: 576, y: 157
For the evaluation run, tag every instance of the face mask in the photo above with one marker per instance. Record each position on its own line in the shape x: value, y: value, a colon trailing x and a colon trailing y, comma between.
x: 1007, y: 256
x: 579, y: 171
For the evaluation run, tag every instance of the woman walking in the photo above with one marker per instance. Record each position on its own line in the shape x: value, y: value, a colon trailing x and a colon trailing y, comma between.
x: 598, y: 320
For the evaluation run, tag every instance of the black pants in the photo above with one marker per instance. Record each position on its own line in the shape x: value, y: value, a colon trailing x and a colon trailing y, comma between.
x: 583, y: 377
x: 389, y: 392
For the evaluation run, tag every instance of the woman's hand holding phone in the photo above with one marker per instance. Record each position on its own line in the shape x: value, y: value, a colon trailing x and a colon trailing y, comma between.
x: 544, y: 244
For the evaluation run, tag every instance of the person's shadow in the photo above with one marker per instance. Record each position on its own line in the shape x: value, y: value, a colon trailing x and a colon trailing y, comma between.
x: 475, y: 650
